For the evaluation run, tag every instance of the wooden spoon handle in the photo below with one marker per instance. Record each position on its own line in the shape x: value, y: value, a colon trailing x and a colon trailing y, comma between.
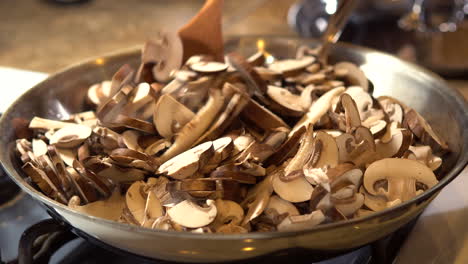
x: 203, y: 33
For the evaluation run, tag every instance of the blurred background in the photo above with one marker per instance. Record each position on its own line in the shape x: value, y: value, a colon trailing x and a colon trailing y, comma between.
x: 47, y: 35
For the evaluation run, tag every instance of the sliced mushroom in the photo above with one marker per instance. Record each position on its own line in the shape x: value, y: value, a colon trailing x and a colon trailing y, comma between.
x: 422, y: 130
x: 99, y: 92
x: 352, y: 117
x: 195, y: 128
x: 208, y: 67
x: 39, y: 147
x: 401, y: 179
x: 70, y: 136
x: 46, y: 124
x: 261, y: 116
x: 229, y: 212
x: 424, y: 155
x: 318, y: 109
x: 348, y: 209
x: 374, y: 202
x: 397, y: 146
x: 290, y: 67
x: 286, y: 99
x: 169, y: 116
x: 300, y: 222
x: 355, y: 76
x: 392, y: 108
x: 222, y: 150
x: 279, y: 207
x: 329, y: 155
x: 132, y: 123
x: 157, y: 146
x: 67, y: 155
x: 130, y: 139
x: 199, y: 216
x: 377, y: 128
x: 187, y: 163
x: 135, y: 202
x: 362, y: 99
x: 257, y: 199
x: 110, y: 208
x: 295, y: 191
x: 165, y: 49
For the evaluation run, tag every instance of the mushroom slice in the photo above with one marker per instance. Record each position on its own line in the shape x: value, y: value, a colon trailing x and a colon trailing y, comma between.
x: 39, y: 147
x: 97, y: 183
x: 130, y: 139
x: 262, y: 117
x: 222, y: 150
x: 121, y: 175
x: 187, y: 163
x: 401, y: 179
x: 157, y: 146
x: 392, y: 129
x: 422, y: 130
x: 60, y: 169
x: 87, y: 192
x: 132, y: 123
x: 300, y: 222
x: 199, y: 216
x: 352, y: 117
x: 348, y: 209
x: 354, y: 76
x: 46, y: 124
x: 110, y: 208
x: 279, y: 207
x: 208, y: 67
x: 70, y: 136
x: 121, y: 78
x: 374, y: 202
x: 229, y: 212
x: 98, y: 92
x: 255, y: 83
x: 257, y: 59
x: 285, y: 99
x: 318, y: 109
x: 286, y: 149
x: 397, y: 146
x: 424, y: 155
x: 291, y: 67
x: 257, y: 199
x: 135, y: 202
x: 268, y: 74
x: 378, y: 128
x: 329, y: 154
x: 195, y: 128
x: 39, y: 178
x: 166, y: 51
x: 170, y: 114
x: 393, y: 109
x: 295, y: 191
x: 362, y: 99
x: 67, y: 155
x: 153, y: 208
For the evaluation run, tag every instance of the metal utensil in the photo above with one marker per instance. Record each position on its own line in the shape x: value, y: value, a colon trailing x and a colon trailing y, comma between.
x: 335, y: 27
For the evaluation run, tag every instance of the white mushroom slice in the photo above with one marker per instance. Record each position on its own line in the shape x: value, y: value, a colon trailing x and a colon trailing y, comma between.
x: 306, y: 97
x: 348, y: 209
x: 352, y: 118
x: 229, y: 212
x: 374, y: 202
x: 99, y: 92
x: 295, y: 191
x: 168, y: 54
x: 424, y: 155
x: 68, y: 155
x: 70, y: 136
x: 378, y: 128
x: 291, y: 66
x: 285, y: 98
x: 329, y: 154
x: 257, y: 199
x: 317, y: 176
x: 130, y: 139
x: 397, y: 146
x: 241, y: 143
x: 355, y: 76
x: 189, y: 214
x: 277, y: 206
x: 268, y: 74
x: 47, y: 124
x: 122, y: 175
x: 391, y: 130
x: 110, y: 209
x: 157, y: 146
x: 208, y: 67
x: 167, y: 113
x: 401, y: 179
x: 135, y: 202
x: 318, y: 109
x: 256, y: 59
x: 300, y: 222
x: 195, y: 128
x: 362, y: 98
x: 39, y: 147
x: 188, y: 162
x: 153, y: 208
x: 141, y: 98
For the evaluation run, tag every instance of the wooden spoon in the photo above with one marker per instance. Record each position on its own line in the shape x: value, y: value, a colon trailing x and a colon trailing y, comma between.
x: 203, y: 33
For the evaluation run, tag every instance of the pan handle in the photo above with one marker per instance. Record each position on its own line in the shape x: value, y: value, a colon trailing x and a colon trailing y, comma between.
x: 50, y: 234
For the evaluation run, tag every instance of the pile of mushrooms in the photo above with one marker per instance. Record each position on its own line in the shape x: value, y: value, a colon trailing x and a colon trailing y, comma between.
x: 232, y: 146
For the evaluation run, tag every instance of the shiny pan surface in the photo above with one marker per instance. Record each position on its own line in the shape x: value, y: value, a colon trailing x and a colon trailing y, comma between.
x: 64, y: 92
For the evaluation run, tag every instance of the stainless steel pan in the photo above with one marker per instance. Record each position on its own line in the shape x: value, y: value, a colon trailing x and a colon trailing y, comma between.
x: 63, y: 93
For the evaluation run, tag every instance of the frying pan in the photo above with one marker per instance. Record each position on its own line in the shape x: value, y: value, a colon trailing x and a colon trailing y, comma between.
x: 64, y: 92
